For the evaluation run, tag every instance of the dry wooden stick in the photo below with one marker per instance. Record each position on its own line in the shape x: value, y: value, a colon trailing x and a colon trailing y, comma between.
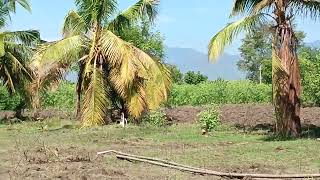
x: 145, y: 158
x: 184, y: 168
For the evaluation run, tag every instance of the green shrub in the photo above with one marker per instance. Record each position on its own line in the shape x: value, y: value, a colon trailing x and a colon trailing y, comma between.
x: 220, y: 92
x: 154, y: 118
x: 8, y: 102
x: 209, y: 119
x: 63, y: 98
x: 192, y: 77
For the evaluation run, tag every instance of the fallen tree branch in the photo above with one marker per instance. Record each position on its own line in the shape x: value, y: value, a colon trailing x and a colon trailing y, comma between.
x: 145, y: 158
x: 190, y: 169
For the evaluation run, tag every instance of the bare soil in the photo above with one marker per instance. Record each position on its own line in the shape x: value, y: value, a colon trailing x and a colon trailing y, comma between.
x: 245, y: 115
x: 254, y: 116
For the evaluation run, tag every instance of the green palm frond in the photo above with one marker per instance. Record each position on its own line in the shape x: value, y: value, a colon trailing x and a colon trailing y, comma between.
x: 14, y: 68
x: 4, y: 15
x: 12, y: 4
x: 244, y: 6
x: 9, y: 6
x: 14, y: 72
x: 140, y: 10
x: 2, y: 50
x: 29, y: 37
x: 231, y: 31
x: 7, y: 78
x: 261, y: 6
x: 68, y: 50
x: 18, y: 66
x: 96, y: 10
x: 73, y: 25
x: 306, y: 8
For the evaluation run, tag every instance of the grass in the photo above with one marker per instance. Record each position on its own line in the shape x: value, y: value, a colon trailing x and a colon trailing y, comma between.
x: 226, y: 149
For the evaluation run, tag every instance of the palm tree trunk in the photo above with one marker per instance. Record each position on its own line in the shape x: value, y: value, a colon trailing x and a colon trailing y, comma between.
x: 286, y: 82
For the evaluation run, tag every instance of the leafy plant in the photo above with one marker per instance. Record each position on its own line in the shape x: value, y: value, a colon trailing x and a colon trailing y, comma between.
x: 154, y: 118
x: 220, y: 92
x: 192, y: 77
x: 209, y: 119
x: 63, y: 98
x: 7, y: 101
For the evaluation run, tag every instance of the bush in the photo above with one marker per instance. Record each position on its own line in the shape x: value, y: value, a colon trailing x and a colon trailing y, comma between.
x: 209, y: 119
x: 154, y: 118
x: 194, y: 78
x: 8, y: 102
x: 63, y: 98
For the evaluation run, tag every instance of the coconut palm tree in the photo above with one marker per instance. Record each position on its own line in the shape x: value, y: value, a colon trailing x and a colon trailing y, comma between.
x: 15, y: 50
x: 286, y: 74
x: 109, y: 66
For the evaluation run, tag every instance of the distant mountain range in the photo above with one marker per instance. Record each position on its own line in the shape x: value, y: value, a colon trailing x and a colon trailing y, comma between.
x: 187, y: 59
x: 315, y: 44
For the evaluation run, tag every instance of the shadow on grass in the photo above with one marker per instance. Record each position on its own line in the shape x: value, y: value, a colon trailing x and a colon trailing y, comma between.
x: 309, y: 131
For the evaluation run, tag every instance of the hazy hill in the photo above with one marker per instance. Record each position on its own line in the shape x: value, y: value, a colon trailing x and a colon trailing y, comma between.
x: 315, y: 44
x: 188, y: 59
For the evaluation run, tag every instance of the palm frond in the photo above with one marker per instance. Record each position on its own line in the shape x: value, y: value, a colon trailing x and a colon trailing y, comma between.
x: 306, y: 8
x: 18, y: 66
x: 244, y: 6
x: 67, y: 50
x: 140, y: 80
x: 4, y: 15
x: 95, y: 99
x: 29, y: 37
x: 14, y: 72
x: 95, y: 10
x: 231, y: 31
x: 2, y: 50
x: 262, y: 5
x: 139, y: 11
x: 7, y: 77
x: 12, y: 4
x: 73, y: 25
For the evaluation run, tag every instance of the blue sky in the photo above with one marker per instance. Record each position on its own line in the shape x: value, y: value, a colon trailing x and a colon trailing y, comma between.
x: 188, y: 24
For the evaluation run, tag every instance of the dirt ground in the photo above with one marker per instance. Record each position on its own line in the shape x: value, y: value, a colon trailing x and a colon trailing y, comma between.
x: 244, y: 115
x: 58, y: 150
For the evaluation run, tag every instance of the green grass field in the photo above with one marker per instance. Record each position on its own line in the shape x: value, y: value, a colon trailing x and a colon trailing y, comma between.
x: 43, y: 149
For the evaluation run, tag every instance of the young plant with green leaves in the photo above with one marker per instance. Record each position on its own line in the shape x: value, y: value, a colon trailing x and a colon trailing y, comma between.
x: 111, y: 69
x: 278, y: 15
x: 16, y: 49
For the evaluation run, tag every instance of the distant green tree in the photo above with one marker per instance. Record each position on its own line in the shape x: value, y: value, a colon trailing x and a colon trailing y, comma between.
x: 192, y: 77
x: 256, y: 47
x: 176, y: 74
x: 310, y: 68
x: 266, y: 71
x: 256, y: 51
x: 145, y: 37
